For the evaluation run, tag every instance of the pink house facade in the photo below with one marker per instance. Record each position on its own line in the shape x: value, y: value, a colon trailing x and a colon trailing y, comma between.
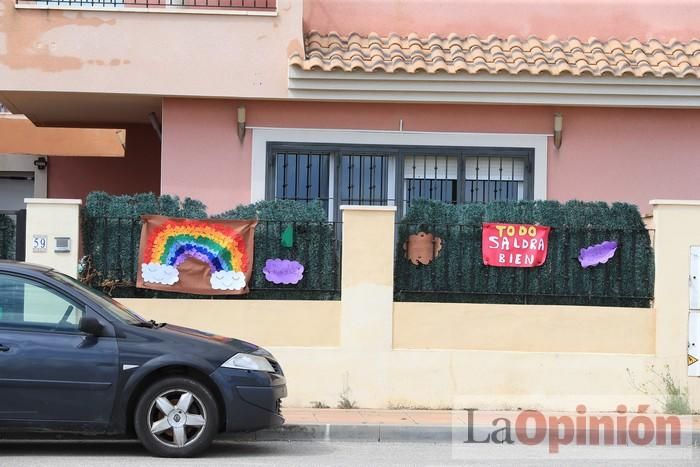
x: 369, y: 102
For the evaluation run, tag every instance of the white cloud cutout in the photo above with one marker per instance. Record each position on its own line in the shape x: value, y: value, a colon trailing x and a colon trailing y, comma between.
x: 159, y: 273
x: 227, y: 280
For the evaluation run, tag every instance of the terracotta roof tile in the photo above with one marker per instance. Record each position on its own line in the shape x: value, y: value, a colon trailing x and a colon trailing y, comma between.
x: 511, y: 55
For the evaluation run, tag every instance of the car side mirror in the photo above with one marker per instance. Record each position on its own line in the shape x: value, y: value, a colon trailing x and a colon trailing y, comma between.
x: 90, y: 325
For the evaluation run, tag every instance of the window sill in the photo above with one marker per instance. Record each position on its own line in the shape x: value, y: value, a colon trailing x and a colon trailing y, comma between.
x: 154, y: 9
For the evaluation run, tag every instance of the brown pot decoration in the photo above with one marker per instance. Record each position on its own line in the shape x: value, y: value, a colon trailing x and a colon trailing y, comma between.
x: 422, y: 248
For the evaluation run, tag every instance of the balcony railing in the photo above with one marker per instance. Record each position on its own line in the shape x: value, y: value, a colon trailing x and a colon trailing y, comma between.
x: 260, y: 6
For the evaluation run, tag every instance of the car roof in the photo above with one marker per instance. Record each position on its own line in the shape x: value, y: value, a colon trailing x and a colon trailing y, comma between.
x: 17, y: 266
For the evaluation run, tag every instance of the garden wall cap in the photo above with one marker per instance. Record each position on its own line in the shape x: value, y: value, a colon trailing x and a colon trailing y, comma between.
x: 674, y: 202
x: 498, y: 55
x: 52, y: 201
x: 350, y: 207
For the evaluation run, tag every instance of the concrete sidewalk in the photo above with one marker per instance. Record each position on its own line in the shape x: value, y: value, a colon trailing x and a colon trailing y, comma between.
x: 386, y: 425
x: 304, y: 416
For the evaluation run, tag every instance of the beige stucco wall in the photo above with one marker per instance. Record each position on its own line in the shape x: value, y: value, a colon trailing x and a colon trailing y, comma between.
x: 433, y: 355
x: 367, y: 277
x: 677, y: 226
x: 524, y: 328
x: 305, y: 337
x: 463, y: 378
x: 115, y: 51
x: 294, y: 323
x: 53, y: 218
x: 382, y: 353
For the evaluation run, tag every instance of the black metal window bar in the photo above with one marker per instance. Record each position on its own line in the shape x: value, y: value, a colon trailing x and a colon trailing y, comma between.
x: 431, y: 176
x: 302, y: 176
x: 257, y: 5
x: 463, y: 178
x: 374, y: 175
x: 364, y: 179
x: 494, y: 178
x: 333, y: 178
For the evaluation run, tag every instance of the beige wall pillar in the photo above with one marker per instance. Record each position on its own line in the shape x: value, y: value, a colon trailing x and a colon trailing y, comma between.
x: 367, y: 277
x: 677, y: 225
x: 53, y: 233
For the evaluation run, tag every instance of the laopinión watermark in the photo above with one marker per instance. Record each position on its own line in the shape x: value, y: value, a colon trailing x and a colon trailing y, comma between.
x: 593, y: 429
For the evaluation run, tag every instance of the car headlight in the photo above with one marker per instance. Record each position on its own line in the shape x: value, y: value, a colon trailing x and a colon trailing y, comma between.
x: 246, y: 361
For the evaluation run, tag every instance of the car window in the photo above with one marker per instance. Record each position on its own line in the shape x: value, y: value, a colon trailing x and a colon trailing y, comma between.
x: 27, y: 304
x: 108, y: 303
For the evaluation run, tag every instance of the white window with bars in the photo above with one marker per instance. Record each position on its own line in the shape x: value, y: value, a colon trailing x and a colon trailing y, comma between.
x: 432, y: 176
x: 382, y: 176
x: 494, y: 178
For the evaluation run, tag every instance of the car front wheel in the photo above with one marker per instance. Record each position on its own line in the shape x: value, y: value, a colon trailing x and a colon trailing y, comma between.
x: 176, y: 417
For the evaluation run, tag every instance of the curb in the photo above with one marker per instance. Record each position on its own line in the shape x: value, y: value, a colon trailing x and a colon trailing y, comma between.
x: 364, y: 432
x: 371, y: 433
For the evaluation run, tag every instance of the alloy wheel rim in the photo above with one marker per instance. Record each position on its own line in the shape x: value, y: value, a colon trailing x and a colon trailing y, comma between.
x: 176, y: 418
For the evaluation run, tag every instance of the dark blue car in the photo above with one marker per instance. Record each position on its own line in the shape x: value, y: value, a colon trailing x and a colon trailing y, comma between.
x: 75, y: 361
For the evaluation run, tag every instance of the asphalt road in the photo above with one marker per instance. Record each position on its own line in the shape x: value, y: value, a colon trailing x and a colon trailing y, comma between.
x: 283, y: 453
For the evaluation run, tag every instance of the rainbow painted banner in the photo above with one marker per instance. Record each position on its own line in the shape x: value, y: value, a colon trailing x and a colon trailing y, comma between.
x: 207, y: 257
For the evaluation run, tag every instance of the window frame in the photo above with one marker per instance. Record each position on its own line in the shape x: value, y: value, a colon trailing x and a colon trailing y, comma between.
x: 399, y: 154
x: 369, y: 152
x: 87, y: 310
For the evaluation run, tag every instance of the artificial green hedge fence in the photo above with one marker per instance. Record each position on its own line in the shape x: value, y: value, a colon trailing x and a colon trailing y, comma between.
x: 7, y: 237
x: 457, y: 274
x: 112, y: 229
x: 315, y: 245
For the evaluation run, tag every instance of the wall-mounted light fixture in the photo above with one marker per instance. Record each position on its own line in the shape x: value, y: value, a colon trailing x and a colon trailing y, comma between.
x: 157, y: 127
x: 241, y: 122
x: 558, y: 126
x: 41, y: 163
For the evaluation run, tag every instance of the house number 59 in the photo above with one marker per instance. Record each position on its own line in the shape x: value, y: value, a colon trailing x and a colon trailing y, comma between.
x: 39, y: 243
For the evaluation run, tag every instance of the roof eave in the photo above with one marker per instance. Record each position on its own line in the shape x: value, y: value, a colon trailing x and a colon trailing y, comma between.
x: 522, y: 89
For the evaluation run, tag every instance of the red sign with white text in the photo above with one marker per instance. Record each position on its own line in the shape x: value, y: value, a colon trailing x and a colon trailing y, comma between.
x: 514, y: 245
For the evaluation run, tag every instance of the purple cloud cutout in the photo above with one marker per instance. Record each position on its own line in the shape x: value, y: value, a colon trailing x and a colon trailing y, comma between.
x: 283, y: 271
x: 597, y: 254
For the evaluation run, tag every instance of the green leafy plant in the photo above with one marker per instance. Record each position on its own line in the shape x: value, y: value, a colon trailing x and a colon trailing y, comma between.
x: 111, y: 230
x: 673, y: 399
x: 319, y: 405
x: 277, y: 210
x: 315, y: 245
x: 345, y: 402
x: 7, y: 237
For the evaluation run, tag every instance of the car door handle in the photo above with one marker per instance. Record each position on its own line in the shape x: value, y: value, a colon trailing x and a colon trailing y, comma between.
x: 4, y: 348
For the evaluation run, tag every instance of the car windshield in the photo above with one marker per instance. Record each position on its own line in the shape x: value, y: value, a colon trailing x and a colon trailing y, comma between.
x: 112, y: 306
